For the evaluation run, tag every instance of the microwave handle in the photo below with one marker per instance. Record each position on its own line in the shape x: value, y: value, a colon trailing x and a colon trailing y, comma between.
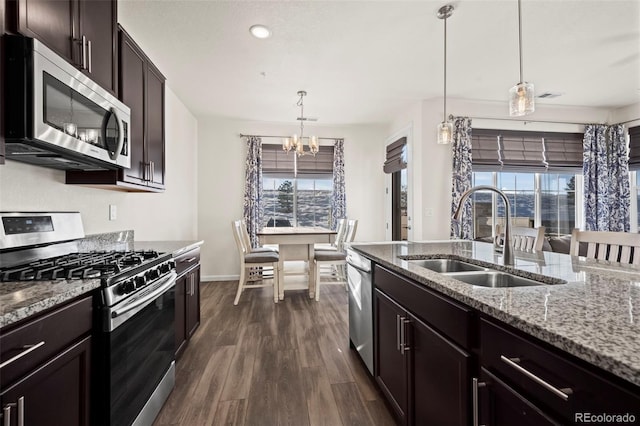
x: 118, y: 149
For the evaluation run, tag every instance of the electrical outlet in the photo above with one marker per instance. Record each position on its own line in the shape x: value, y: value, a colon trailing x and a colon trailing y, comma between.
x: 113, y: 212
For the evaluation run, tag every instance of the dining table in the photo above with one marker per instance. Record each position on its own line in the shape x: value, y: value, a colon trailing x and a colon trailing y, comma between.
x: 296, y: 244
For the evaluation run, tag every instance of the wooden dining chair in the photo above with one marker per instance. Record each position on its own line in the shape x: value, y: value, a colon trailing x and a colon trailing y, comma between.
x: 523, y: 238
x: 248, y: 260
x: 341, y: 230
x: 335, y: 259
x: 620, y: 247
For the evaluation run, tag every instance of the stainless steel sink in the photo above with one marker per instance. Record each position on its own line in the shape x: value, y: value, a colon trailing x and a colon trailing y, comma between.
x: 447, y: 265
x: 495, y: 279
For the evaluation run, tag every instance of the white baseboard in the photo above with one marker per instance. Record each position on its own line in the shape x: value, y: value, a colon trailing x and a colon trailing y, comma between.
x: 219, y: 278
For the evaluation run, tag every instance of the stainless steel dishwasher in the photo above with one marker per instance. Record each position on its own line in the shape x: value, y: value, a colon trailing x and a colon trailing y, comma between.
x: 359, y: 276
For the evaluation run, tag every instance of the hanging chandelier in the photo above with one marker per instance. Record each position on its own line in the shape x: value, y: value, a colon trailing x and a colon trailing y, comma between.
x: 296, y: 142
x: 445, y: 129
x: 521, y: 96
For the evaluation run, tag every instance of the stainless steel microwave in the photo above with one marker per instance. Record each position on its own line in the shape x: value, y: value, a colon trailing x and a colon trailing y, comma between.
x: 55, y: 116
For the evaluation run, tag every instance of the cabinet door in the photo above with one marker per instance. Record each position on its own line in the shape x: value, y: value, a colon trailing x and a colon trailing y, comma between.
x: 131, y: 84
x: 155, y: 126
x: 98, y: 24
x: 500, y: 405
x: 193, y: 302
x: 56, y: 393
x: 53, y: 22
x: 439, y: 378
x: 390, y: 363
x: 180, y: 325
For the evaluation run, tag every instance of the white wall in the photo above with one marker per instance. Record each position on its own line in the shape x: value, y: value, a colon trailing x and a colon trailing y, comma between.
x: 221, y: 175
x: 432, y: 162
x: 164, y: 216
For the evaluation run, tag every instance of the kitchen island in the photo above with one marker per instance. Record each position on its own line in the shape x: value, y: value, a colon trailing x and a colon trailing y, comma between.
x: 589, y: 315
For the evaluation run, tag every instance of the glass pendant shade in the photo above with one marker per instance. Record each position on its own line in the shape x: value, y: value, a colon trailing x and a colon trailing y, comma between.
x: 313, y: 144
x: 286, y: 144
x: 521, y: 99
x: 445, y: 133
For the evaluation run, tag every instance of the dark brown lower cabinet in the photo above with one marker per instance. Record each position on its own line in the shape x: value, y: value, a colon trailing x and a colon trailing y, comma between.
x: 57, y: 393
x: 498, y: 404
x: 187, y: 297
x: 425, y: 377
x: 391, y: 364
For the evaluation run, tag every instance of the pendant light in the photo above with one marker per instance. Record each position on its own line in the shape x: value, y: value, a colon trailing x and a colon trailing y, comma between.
x: 521, y: 96
x: 296, y: 142
x: 445, y: 129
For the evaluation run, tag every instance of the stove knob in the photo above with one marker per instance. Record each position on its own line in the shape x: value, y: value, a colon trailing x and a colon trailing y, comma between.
x: 140, y: 281
x: 165, y: 267
x: 126, y: 287
x: 152, y: 274
x: 172, y: 264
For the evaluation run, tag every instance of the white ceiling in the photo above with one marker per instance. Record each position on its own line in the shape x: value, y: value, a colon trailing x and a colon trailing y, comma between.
x: 362, y: 61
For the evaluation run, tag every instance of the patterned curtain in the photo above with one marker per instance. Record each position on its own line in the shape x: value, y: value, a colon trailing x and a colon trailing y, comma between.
x: 619, y: 191
x: 339, y: 196
x: 253, y: 188
x: 606, y: 178
x: 461, y: 177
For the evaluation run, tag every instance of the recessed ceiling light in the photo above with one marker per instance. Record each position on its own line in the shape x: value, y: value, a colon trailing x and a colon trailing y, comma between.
x: 260, y: 31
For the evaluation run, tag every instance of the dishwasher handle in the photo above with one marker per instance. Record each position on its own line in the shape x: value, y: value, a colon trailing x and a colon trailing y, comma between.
x: 359, y: 266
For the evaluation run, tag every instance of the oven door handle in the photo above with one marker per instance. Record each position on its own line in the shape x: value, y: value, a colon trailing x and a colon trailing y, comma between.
x: 163, y: 285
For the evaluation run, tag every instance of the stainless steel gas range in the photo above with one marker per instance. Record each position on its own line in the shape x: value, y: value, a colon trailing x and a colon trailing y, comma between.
x: 133, y: 343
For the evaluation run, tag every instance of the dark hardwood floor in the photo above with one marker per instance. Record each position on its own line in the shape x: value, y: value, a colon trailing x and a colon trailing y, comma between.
x: 259, y: 363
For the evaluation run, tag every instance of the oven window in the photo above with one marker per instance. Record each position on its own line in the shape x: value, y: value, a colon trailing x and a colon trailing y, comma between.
x: 141, y: 351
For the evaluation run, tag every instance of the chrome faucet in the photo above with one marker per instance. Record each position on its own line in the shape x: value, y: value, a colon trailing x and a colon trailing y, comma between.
x: 507, y: 252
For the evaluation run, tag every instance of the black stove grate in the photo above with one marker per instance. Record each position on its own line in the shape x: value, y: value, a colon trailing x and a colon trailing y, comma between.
x: 95, y: 264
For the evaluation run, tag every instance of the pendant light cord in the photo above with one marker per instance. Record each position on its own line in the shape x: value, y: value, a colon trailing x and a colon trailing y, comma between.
x: 444, y: 119
x: 301, y: 105
x: 519, y: 37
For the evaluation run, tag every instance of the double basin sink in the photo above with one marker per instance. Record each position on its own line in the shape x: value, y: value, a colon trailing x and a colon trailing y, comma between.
x: 479, y: 275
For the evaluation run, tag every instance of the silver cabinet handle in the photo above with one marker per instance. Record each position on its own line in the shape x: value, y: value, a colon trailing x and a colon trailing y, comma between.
x: 89, y: 54
x: 27, y: 349
x: 191, y: 259
x: 84, y: 52
x: 21, y: 411
x: 561, y: 393
x: 474, y: 389
x: 6, y: 413
x: 404, y: 346
x: 397, y: 332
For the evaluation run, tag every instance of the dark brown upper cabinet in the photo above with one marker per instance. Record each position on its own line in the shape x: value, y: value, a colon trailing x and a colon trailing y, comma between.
x: 141, y: 88
x: 84, y: 32
x: 2, y: 82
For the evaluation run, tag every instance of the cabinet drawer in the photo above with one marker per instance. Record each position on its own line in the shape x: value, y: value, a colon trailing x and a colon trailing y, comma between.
x: 450, y: 318
x: 187, y: 260
x: 51, y: 333
x: 569, y: 388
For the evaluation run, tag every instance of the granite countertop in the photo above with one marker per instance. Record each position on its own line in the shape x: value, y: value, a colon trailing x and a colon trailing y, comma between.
x: 595, y: 316
x: 21, y: 299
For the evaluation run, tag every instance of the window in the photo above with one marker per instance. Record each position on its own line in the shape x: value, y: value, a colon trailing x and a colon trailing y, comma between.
x: 554, y: 208
x: 296, y: 190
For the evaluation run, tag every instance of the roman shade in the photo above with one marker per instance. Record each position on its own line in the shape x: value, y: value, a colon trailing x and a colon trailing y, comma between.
x: 634, y: 148
x: 276, y: 161
x: 493, y: 149
x: 396, y: 161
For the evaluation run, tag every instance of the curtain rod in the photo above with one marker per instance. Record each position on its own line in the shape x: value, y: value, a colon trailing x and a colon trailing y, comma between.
x: 543, y: 121
x: 281, y: 137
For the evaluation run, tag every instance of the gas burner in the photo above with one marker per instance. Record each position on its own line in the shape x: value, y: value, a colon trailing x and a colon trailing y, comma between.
x: 94, y: 264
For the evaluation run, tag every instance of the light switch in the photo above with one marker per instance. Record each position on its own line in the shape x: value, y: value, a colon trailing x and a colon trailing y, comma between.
x: 113, y: 212
x: 428, y: 212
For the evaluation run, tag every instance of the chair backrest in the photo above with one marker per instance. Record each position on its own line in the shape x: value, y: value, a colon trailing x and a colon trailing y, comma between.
x: 352, y: 226
x: 236, y: 227
x: 523, y: 238
x: 246, y: 239
x: 622, y: 247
